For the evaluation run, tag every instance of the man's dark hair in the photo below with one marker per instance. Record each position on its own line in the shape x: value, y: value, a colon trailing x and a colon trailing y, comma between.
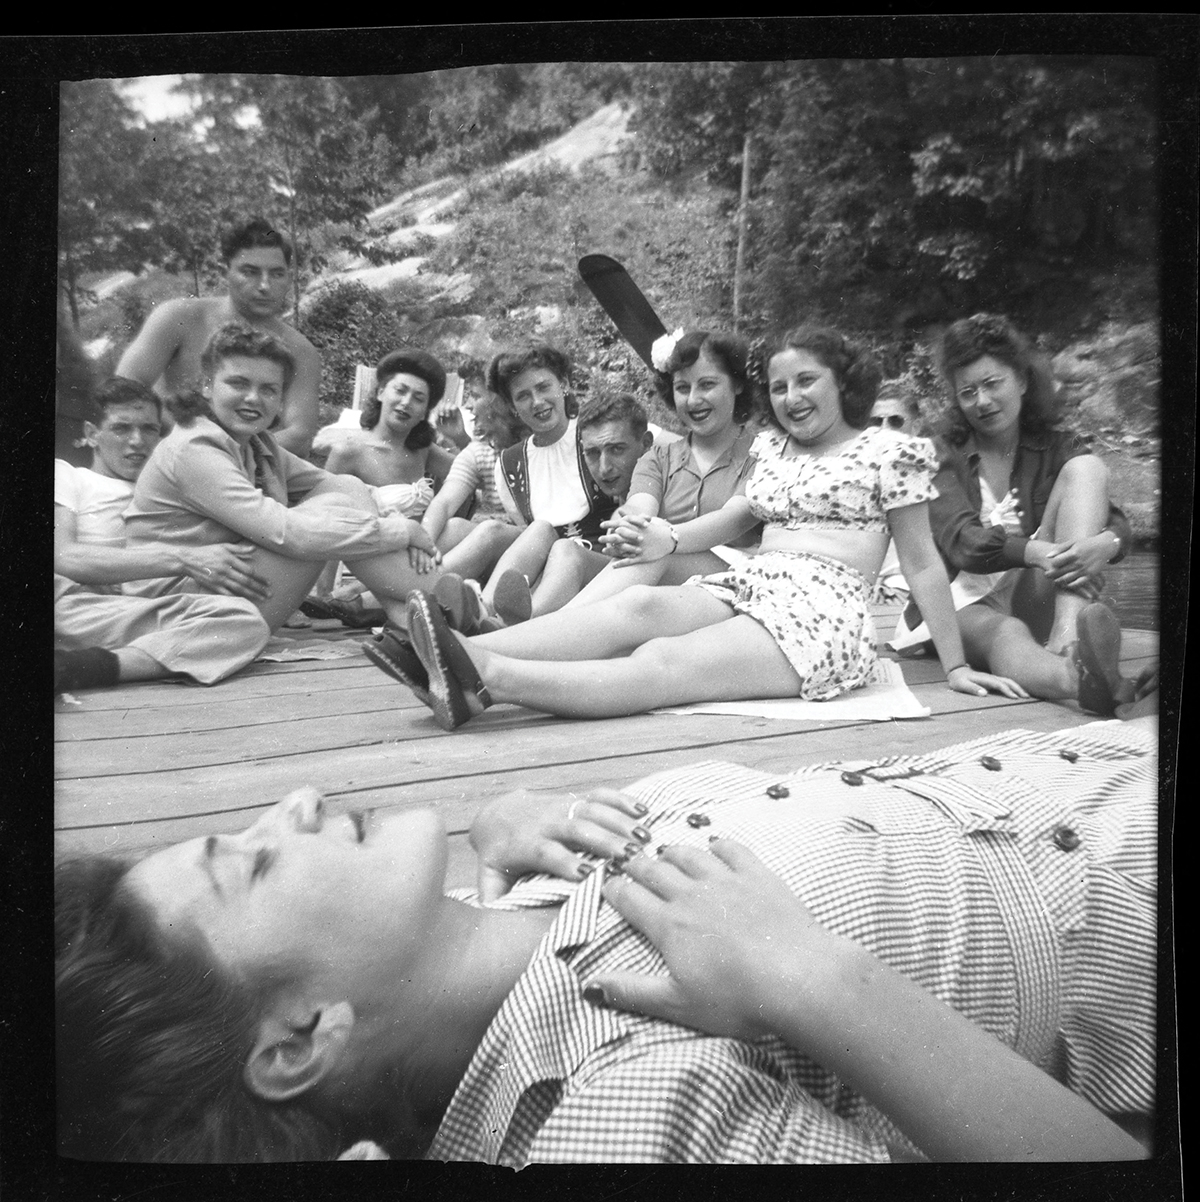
x: 855, y: 369
x: 117, y: 390
x: 152, y: 1037
x: 612, y: 407
x: 728, y: 351
x: 254, y: 233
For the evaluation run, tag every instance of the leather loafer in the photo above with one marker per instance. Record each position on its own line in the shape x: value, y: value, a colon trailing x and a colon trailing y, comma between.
x: 456, y: 692
x: 393, y: 652
x: 512, y: 598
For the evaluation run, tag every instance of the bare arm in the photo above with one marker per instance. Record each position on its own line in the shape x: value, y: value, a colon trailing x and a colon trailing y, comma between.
x: 146, y: 358
x: 747, y: 958
x: 300, y: 406
x: 926, y: 576
x: 651, y: 538
x: 225, y: 568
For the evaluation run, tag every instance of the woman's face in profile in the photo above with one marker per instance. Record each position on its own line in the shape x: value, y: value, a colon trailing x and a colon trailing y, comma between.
x: 338, y: 901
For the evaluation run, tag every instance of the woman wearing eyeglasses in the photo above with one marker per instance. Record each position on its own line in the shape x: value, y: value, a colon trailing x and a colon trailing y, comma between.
x: 1024, y: 522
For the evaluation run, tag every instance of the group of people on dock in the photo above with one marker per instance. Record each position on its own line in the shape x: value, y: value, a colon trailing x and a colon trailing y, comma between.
x: 886, y: 966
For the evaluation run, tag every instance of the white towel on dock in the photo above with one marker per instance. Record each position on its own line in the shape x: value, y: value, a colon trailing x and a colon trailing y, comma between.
x: 883, y: 698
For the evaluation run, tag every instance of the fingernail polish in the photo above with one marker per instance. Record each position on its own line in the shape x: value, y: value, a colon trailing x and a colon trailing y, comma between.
x: 713, y: 838
x: 658, y: 851
x: 631, y: 850
x: 584, y: 870
x: 641, y: 834
x: 594, y: 994
x: 640, y: 808
x: 616, y: 867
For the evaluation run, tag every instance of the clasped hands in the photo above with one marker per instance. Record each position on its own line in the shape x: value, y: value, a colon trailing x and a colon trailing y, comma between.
x: 636, y: 538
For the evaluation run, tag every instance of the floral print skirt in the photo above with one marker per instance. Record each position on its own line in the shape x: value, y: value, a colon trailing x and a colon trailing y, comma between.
x: 816, y: 610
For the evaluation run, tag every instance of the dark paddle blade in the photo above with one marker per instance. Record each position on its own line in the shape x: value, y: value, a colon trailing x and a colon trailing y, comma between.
x: 623, y: 301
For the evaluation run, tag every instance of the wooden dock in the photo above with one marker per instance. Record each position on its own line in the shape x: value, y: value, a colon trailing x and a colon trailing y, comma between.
x: 144, y: 765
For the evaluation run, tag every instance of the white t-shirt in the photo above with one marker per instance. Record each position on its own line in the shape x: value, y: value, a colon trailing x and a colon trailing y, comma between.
x: 556, y: 493
x: 98, y: 503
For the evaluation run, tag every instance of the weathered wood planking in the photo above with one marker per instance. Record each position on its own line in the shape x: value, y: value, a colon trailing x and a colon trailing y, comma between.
x: 145, y: 765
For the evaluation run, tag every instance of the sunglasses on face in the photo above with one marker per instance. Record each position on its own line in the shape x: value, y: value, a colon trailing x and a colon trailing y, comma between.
x: 893, y: 421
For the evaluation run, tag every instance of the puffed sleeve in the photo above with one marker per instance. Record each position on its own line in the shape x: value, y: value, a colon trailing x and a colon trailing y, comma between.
x: 906, y: 470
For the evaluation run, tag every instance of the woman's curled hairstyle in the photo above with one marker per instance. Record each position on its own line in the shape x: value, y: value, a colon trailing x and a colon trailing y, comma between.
x: 151, y: 1040
x: 229, y: 342
x: 969, y: 339
x: 854, y: 367
x: 507, y: 365
x: 730, y: 353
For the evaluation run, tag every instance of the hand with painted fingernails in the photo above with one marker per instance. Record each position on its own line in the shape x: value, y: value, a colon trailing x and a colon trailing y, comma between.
x: 740, y: 946
x: 552, y: 831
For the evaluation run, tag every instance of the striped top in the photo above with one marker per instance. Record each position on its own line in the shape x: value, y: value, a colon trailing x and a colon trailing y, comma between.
x: 1014, y: 877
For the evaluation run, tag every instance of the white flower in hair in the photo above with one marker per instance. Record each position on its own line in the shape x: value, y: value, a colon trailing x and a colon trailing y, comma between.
x: 663, y: 348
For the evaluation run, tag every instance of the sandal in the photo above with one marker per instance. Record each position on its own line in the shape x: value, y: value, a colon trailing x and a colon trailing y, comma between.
x: 356, y: 616
x: 394, y: 653
x: 453, y: 678
x: 512, y: 600
x: 1097, y: 657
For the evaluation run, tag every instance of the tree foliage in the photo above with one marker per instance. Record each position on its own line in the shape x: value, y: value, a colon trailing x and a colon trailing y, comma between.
x: 104, y: 213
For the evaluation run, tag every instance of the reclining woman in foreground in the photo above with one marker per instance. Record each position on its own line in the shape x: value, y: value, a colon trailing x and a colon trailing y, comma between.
x: 884, y: 960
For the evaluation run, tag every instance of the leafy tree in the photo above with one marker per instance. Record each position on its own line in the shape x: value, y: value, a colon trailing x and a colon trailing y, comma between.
x: 104, y: 211
x: 292, y: 150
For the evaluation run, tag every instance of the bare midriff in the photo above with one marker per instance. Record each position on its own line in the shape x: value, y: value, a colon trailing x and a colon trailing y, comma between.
x: 862, y: 550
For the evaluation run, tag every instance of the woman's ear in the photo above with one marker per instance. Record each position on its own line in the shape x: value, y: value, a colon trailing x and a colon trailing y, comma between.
x: 293, y: 1052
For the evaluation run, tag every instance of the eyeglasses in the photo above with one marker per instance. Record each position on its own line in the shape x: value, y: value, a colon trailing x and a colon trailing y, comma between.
x: 974, y: 391
x: 893, y: 421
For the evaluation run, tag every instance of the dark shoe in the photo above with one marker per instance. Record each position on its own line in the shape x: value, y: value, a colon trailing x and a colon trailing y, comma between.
x: 355, y: 615
x: 1098, y: 659
x: 453, y: 679
x: 1145, y: 695
x: 512, y: 599
x: 392, y: 651
x: 460, y: 604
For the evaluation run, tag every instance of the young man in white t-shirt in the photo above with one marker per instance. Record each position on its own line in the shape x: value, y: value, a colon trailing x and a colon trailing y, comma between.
x: 103, y: 636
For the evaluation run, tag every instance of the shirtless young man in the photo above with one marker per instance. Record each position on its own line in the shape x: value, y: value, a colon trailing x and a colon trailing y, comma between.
x: 166, y: 352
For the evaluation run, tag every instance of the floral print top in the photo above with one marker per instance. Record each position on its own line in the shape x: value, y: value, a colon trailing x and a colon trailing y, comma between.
x: 878, y: 470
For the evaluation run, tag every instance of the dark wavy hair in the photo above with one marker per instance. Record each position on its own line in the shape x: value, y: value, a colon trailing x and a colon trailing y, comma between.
x: 229, y: 342
x: 152, y: 1037
x: 730, y: 353
x: 117, y: 390
x: 416, y: 363
x: 854, y: 367
x: 507, y: 365
x: 251, y: 234
x: 969, y: 339
x: 613, y: 407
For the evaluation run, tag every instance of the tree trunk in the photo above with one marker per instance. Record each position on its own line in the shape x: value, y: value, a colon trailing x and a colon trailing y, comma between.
x: 743, y: 221
x: 72, y: 299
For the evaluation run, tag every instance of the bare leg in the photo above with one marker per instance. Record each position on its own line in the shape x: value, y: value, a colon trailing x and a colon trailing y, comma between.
x: 476, y: 555
x: 737, y: 661
x: 673, y: 569
x: 455, y: 531
x: 995, y: 642
x: 1077, y: 508
x: 568, y: 568
x: 608, y: 628
x: 527, y: 555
